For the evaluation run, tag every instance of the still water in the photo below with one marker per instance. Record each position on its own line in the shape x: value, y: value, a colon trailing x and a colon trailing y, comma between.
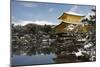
x: 36, y: 53
x: 40, y: 53
x: 34, y: 59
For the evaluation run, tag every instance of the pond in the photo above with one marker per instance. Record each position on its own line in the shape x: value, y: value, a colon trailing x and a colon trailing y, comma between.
x: 42, y: 53
x: 34, y: 59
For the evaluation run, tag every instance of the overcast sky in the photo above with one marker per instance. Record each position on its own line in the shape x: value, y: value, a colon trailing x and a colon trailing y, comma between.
x: 43, y: 13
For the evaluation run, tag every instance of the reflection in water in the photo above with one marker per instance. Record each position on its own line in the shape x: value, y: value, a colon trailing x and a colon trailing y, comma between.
x: 36, y: 53
x: 43, y: 53
x: 33, y: 49
x: 27, y: 52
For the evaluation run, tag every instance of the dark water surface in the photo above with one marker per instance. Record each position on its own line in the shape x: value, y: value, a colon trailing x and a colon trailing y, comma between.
x: 36, y: 53
x: 42, y: 53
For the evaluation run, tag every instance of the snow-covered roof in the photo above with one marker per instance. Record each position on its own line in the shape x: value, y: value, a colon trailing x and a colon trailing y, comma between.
x: 73, y: 13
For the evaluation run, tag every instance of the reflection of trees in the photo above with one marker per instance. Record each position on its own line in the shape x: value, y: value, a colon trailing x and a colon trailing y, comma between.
x: 33, y: 39
x: 33, y: 50
x: 66, y: 49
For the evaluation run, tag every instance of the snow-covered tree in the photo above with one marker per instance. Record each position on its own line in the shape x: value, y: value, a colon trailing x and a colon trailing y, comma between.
x: 90, y: 44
